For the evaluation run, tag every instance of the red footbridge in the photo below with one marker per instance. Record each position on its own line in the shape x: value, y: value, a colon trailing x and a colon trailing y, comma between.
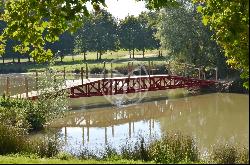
x: 126, y: 85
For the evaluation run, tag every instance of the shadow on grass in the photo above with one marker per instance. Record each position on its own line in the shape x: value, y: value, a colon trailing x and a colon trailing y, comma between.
x: 31, y: 66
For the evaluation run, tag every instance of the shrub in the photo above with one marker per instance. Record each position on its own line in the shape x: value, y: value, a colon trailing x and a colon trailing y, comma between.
x: 46, y: 146
x: 98, y: 70
x: 137, y: 152
x: 12, y: 139
x: 229, y: 154
x: 173, y: 148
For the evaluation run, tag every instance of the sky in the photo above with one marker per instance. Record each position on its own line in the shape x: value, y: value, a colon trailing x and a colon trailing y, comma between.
x: 121, y: 8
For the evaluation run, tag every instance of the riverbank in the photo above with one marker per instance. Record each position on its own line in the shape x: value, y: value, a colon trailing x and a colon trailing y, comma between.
x: 19, y: 159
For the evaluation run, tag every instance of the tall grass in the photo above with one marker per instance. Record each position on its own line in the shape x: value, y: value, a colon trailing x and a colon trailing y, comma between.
x: 12, y: 139
x: 229, y: 154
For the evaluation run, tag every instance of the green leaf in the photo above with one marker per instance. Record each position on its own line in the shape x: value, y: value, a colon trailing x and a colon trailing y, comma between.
x: 199, y: 9
x: 205, y: 20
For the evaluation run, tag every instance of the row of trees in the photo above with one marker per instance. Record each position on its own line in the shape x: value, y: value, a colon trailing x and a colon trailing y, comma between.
x: 101, y: 32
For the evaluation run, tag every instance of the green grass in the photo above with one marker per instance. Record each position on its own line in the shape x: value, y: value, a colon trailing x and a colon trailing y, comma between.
x: 71, y: 63
x: 32, y: 160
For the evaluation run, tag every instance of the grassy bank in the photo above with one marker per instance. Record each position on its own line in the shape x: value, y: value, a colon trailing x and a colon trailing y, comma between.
x: 72, y: 63
x: 33, y: 160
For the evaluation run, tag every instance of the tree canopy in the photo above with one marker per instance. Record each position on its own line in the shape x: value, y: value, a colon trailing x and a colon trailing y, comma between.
x: 32, y: 23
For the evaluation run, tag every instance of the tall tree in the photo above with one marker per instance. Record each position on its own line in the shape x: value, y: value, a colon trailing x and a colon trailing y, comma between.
x: 129, y: 34
x: 147, y: 39
x: 230, y: 21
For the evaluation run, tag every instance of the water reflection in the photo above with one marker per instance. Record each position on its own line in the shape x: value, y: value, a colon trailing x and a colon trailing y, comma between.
x: 208, y: 118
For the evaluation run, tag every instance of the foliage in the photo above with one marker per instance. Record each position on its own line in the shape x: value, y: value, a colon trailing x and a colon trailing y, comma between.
x: 12, y: 139
x: 230, y: 154
x: 45, y: 146
x: 33, y: 23
x: 174, y: 148
x: 137, y: 33
x: 181, y: 31
x: 230, y: 21
x: 98, y: 33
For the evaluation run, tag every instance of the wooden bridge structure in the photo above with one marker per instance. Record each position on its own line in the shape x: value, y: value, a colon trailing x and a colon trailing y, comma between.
x: 90, y: 87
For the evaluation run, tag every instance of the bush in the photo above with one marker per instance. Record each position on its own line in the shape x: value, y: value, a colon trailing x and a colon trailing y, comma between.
x: 173, y: 148
x: 46, y: 146
x: 12, y: 139
x: 229, y: 154
x: 98, y: 70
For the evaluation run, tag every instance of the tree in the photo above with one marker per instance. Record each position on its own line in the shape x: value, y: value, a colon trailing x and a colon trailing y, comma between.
x: 129, y: 34
x: 230, y: 21
x: 104, y: 36
x: 82, y: 37
x: 33, y: 23
x: 63, y: 46
x: 147, y: 39
x: 182, y: 32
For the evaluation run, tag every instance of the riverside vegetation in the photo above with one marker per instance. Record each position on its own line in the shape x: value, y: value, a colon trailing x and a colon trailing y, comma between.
x: 19, y: 118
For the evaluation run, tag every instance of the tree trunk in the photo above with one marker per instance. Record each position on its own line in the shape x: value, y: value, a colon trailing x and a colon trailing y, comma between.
x: 143, y: 53
x: 159, y: 55
x: 97, y: 56
x: 61, y: 58
x: 34, y: 60
x: 3, y: 59
x: 129, y: 53
x: 18, y: 59
x: 133, y: 53
x: 29, y: 58
x: 84, y: 56
x: 13, y: 59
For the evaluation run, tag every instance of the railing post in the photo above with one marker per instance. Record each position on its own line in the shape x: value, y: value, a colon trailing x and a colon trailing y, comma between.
x: 128, y: 68
x: 149, y: 68
x: 111, y: 70
x: 87, y: 70
x: 36, y: 80
x: 26, y: 87
x: 169, y: 72
x: 185, y: 67
x: 199, y: 72
x: 104, y: 70
x: 82, y: 75
x: 216, y: 73
x: 64, y: 73
x: 7, y: 86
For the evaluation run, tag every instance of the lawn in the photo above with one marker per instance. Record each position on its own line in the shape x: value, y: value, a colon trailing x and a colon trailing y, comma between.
x: 30, y: 160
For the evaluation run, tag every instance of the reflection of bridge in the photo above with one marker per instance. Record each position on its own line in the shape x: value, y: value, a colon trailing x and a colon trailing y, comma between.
x: 103, y: 118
